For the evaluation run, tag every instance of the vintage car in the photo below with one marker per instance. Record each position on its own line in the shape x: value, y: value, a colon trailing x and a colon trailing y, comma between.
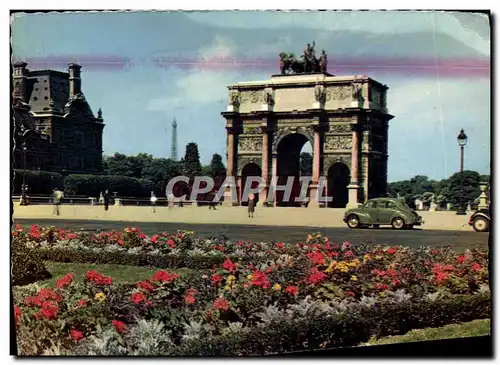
x: 383, y: 211
x: 480, y: 220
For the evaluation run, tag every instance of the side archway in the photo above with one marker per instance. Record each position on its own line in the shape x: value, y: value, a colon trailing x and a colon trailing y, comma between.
x: 338, y: 180
x: 250, y: 169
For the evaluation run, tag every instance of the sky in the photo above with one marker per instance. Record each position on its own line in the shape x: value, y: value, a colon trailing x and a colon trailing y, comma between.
x: 145, y: 68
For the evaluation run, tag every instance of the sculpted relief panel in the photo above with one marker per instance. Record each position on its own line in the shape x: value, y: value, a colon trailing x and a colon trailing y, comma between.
x: 342, y: 92
x: 340, y: 128
x: 250, y: 144
x: 333, y: 143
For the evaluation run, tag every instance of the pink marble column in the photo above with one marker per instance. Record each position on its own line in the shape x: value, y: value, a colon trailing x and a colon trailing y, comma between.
x: 265, y: 165
x: 230, y: 153
x: 354, y: 185
x: 313, y: 188
x: 355, y: 157
x: 316, y: 154
x: 274, y: 177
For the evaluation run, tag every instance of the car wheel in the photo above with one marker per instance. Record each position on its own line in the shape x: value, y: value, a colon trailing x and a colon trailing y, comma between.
x: 398, y: 223
x: 353, y: 221
x: 481, y: 224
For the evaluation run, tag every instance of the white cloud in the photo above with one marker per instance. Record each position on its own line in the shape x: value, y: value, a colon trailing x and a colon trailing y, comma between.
x: 198, y: 86
x: 374, y: 22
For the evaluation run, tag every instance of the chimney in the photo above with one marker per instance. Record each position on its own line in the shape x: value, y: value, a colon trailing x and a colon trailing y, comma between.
x: 75, y: 82
x: 19, y: 79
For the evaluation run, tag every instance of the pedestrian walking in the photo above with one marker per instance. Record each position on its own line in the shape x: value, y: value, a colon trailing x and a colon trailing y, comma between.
x: 251, y: 205
x: 106, y: 198
x: 58, y: 196
x: 153, y: 201
x: 212, y: 204
x: 170, y: 198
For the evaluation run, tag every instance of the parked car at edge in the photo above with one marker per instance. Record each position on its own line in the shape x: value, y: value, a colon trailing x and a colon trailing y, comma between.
x: 383, y: 211
x: 480, y: 220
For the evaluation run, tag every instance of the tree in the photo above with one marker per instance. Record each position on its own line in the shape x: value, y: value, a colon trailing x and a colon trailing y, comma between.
x: 192, y: 165
x: 216, y: 165
x: 462, y: 187
x: 306, y: 164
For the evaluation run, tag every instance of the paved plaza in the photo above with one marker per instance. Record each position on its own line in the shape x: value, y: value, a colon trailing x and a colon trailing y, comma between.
x: 299, y: 217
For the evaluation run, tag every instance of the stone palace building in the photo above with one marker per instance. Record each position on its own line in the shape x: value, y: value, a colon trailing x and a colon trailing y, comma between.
x: 55, y: 129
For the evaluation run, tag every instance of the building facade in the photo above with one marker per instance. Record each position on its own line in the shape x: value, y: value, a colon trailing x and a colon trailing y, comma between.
x: 344, y: 118
x: 55, y: 127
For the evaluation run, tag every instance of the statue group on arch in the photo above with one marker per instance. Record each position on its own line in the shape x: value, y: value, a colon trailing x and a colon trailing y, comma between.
x: 308, y: 63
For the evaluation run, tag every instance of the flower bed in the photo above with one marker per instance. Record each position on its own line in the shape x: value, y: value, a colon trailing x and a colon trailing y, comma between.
x: 316, y: 294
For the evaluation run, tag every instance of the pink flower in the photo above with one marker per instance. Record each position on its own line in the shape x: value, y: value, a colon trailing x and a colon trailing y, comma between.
x: 76, y: 335
x: 228, y: 265
x: 221, y: 303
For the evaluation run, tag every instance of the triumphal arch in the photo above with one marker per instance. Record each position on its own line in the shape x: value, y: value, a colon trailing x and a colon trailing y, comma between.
x: 345, y: 118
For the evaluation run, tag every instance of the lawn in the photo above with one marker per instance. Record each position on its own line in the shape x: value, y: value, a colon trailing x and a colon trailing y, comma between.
x: 480, y: 327
x: 119, y: 273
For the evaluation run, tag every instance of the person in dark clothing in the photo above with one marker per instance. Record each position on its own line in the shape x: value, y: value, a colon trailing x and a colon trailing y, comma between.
x: 251, y: 205
x: 106, y: 199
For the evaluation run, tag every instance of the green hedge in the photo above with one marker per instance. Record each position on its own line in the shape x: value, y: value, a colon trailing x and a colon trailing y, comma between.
x: 354, y: 327
x: 93, y: 185
x: 39, y: 182
x: 27, y: 265
x: 120, y: 258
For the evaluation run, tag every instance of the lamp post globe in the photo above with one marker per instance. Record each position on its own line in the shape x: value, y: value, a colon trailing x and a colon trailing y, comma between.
x: 462, y: 141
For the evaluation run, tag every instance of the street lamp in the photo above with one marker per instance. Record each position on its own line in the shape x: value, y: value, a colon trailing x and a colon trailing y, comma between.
x: 462, y: 141
x: 24, y: 188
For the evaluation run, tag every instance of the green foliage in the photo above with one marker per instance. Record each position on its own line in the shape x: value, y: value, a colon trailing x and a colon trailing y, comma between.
x: 306, y: 164
x: 192, y: 165
x: 39, y: 182
x: 462, y: 187
x: 93, y: 185
x: 27, y: 265
x: 217, y: 166
x: 131, y: 259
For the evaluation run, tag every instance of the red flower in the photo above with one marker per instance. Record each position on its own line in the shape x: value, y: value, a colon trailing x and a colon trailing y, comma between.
x: 396, y: 282
x: 346, y: 244
x: 216, y: 278
x: 316, y: 276
x: 49, y: 310
x: 33, y: 301
x: 171, y: 243
x: 119, y: 326
x: 189, y: 299
x: 98, y: 278
x: 121, y: 243
x: 441, y: 276
x: 137, y: 298
x: 280, y: 245
x: 348, y: 253
x: 81, y: 303
x: 476, y: 267
x: 48, y: 294
x: 435, y: 252
x: 461, y: 259
x: 71, y: 236
x: 333, y: 254
x: 221, y: 303
x: 317, y: 258
x: 76, y: 335
x: 392, y: 272
x: 228, y: 265
x: 260, y: 279
x: 391, y: 251
x: 17, y: 314
x: 65, y: 281
x: 163, y: 276
x: 155, y: 238
x: 351, y: 294
x: 292, y: 290
x: 382, y: 286
x: 145, y: 285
